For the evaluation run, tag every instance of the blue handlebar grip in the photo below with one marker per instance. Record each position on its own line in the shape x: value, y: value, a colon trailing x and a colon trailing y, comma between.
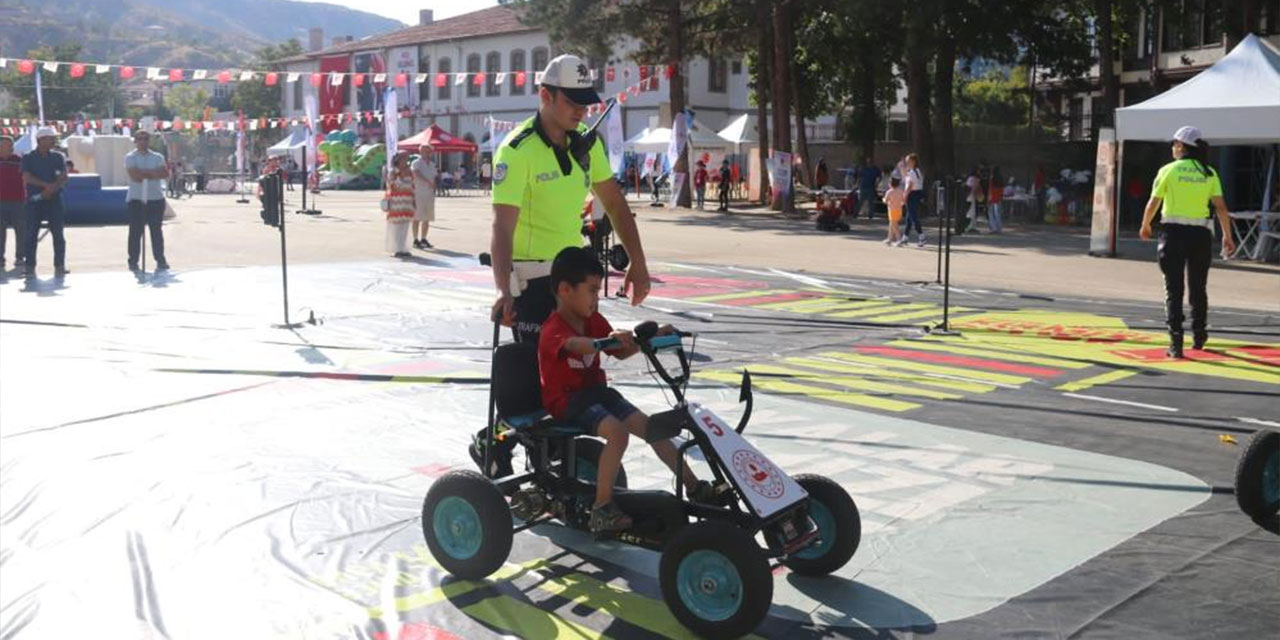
x: 664, y: 342
x: 606, y: 343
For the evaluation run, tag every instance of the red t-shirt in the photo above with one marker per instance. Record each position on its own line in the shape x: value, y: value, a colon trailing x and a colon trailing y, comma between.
x: 700, y: 177
x: 11, y: 189
x: 564, y: 373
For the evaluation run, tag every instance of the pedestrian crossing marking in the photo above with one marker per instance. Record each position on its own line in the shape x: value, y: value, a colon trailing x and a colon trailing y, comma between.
x: 876, y: 372
x: 854, y: 382
x: 961, y: 361
x: 935, y: 312
x: 878, y: 310
x: 721, y: 297
x: 938, y: 345
x: 956, y: 372
x: 791, y: 388
x: 1093, y: 381
x: 825, y: 304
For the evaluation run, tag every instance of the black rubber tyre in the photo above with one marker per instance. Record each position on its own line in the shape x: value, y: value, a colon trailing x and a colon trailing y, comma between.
x: 715, y: 580
x: 467, y: 524
x: 831, y: 508
x: 587, y: 451
x: 1258, y: 476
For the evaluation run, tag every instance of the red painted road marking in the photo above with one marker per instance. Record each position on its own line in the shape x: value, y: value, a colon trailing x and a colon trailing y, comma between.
x: 779, y: 297
x: 690, y: 287
x: 1261, y: 354
x: 433, y: 470
x: 1255, y: 355
x: 424, y: 631
x: 961, y: 361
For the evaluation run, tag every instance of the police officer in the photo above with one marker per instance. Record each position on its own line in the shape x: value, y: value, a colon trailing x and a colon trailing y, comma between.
x: 542, y: 173
x: 1183, y: 192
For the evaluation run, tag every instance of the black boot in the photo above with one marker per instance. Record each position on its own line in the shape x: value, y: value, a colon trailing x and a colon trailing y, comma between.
x: 1175, y: 346
x: 1198, y: 339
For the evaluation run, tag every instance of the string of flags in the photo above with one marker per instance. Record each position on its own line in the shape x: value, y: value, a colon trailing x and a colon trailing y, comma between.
x: 18, y: 126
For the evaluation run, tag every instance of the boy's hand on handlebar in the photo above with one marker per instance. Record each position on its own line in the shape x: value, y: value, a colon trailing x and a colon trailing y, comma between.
x: 666, y: 330
x: 625, y: 338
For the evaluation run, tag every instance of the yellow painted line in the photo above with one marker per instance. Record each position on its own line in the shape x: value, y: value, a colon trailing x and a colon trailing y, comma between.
x: 1110, y: 376
x: 527, y: 621
x: 820, y: 305
x: 855, y: 382
x: 865, y: 370
x: 935, y: 312
x: 933, y: 345
x: 740, y: 294
x: 879, y: 310
x: 439, y: 594
x: 909, y: 365
x: 791, y: 388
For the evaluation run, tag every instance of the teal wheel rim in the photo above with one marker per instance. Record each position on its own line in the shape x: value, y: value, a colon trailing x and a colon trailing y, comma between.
x: 1271, y: 479
x: 826, y: 532
x: 458, y: 528
x: 709, y: 585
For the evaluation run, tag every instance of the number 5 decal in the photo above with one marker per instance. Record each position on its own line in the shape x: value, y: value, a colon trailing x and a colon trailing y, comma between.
x: 712, y: 426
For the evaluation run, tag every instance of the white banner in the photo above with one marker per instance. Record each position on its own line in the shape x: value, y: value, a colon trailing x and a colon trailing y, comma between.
x: 613, y: 135
x: 679, y: 135
x: 312, y: 102
x: 391, y: 125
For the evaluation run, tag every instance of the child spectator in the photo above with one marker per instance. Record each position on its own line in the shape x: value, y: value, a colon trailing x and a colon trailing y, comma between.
x: 894, y: 199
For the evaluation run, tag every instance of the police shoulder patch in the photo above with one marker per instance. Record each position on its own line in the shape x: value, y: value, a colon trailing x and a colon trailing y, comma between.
x: 500, y: 173
x: 520, y: 137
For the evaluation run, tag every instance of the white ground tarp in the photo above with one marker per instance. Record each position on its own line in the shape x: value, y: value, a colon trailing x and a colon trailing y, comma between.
x: 1234, y: 102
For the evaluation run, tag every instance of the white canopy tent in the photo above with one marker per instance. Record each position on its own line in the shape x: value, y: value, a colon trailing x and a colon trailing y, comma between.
x: 292, y: 146
x: 658, y: 139
x: 741, y: 131
x: 1234, y: 102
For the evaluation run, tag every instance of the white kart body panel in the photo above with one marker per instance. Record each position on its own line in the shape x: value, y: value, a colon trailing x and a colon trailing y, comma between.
x: 766, y: 488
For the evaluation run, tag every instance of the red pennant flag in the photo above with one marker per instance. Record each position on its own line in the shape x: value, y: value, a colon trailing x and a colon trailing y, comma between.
x: 175, y: 75
x: 521, y: 77
x: 653, y: 83
x: 608, y: 74
x: 402, y: 79
x: 644, y: 73
x: 441, y: 79
x: 77, y: 70
x: 177, y: 123
x: 479, y: 79
x: 359, y: 79
x: 316, y: 79
x: 126, y: 73
x: 271, y: 79
x: 224, y: 77
x: 27, y: 67
x: 671, y: 71
x: 622, y: 97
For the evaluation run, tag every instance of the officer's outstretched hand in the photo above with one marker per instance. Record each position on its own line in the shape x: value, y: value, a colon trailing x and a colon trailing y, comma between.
x: 1145, y: 232
x: 504, y: 310
x: 636, y: 282
x: 1228, y: 243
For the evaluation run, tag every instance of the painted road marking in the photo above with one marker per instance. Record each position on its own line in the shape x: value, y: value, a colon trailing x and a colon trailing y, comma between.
x: 791, y: 388
x: 526, y: 620
x: 1110, y: 376
x: 931, y: 344
x: 876, y: 372
x: 1002, y: 379
x: 854, y: 382
x: 756, y: 293
x: 1261, y: 423
x: 1124, y: 402
x: 827, y: 303
x: 878, y: 310
x: 962, y: 361
x: 935, y: 312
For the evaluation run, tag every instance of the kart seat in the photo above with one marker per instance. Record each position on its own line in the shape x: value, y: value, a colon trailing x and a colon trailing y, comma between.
x: 517, y: 391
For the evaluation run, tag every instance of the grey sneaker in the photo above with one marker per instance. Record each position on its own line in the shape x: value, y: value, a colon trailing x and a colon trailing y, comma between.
x: 608, y: 517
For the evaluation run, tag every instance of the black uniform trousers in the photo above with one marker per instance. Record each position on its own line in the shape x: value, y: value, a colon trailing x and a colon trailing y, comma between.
x: 1185, y: 253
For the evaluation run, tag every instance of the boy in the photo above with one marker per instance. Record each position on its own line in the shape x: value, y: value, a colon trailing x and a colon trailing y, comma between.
x: 574, y: 389
x: 894, y: 198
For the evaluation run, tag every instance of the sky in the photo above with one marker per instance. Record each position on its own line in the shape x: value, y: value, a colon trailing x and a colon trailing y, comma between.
x: 406, y: 11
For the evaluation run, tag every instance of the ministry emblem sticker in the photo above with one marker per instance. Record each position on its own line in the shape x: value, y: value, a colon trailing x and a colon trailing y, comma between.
x: 758, y: 473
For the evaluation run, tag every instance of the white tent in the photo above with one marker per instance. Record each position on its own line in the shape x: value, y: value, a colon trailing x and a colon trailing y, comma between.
x: 1234, y: 102
x: 292, y: 146
x: 657, y: 140
x: 741, y: 131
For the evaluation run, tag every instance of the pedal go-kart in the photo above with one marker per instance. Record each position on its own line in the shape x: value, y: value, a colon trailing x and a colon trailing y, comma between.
x: 716, y: 571
x: 1258, y: 478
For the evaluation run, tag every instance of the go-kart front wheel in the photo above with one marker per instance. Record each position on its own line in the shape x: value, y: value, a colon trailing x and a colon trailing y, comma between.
x: 839, y: 528
x: 1258, y: 476
x: 467, y: 524
x: 715, y: 580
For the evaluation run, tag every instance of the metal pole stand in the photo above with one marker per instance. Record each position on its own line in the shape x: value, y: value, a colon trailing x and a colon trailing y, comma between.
x: 276, y: 186
x: 244, y: 196
x: 305, y: 172
x: 945, y: 328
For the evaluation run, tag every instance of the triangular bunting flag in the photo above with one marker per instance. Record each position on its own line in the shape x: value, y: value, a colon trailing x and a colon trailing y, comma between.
x: 402, y: 80
x: 379, y: 78
x: 520, y: 78
x: 292, y: 77
x: 537, y: 77
x: 153, y: 73
x: 199, y: 74
x: 175, y: 75
x: 77, y: 70
x: 246, y: 76
x: 102, y: 68
x: 335, y: 78
x: 126, y: 73
x: 271, y: 78
x: 51, y: 67
x: 459, y: 79
x: 420, y: 78
x: 500, y: 78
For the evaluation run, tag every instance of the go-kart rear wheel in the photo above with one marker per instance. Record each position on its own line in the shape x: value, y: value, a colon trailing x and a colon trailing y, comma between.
x: 467, y: 524
x: 839, y: 528
x: 715, y: 580
x: 1258, y: 476
x: 587, y: 453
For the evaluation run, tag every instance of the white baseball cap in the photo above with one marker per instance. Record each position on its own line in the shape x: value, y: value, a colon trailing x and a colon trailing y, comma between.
x: 46, y: 132
x: 1187, y: 135
x: 571, y: 75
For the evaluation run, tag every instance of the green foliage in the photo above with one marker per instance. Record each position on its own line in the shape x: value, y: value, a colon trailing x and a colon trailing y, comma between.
x: 997, y: 97
x: 187, y: 102
x: 64, y: 97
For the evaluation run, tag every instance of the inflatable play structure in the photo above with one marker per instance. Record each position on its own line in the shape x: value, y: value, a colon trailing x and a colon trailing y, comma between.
x: 86, y: 201
x: 348, y: 166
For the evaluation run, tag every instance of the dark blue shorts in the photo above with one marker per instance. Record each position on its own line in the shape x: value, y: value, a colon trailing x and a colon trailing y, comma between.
x: 587, y: 408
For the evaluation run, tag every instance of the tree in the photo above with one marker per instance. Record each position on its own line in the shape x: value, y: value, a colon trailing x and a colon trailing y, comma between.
x: 254, y: 98
x: 186, y: 102
x: 65, y: 97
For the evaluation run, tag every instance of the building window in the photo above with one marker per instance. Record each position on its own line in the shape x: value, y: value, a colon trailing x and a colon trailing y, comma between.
x: 1269, y: 18
x: 539, y: 60
x: 473, y: 67
x: 737, y: 68
x: 445, y: 66
x: 517, y: 64
x: 297, y: 95
x: 717, y: 75
x: 492, y: 65
x: 1191, y: 24
x: 424, y: 66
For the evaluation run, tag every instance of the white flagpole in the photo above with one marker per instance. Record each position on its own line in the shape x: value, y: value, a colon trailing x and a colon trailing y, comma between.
x: 39, y: 96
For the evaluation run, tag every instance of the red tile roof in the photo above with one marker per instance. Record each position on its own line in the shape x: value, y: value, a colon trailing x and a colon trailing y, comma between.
x: 486, y: 22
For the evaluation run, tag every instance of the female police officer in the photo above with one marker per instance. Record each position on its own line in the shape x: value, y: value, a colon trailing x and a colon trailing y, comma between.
x: 1185, y: 188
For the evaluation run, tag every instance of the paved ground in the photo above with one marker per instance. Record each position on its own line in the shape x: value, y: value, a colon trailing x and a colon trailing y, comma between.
x: 171, y: 465
x: 213, y: 231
